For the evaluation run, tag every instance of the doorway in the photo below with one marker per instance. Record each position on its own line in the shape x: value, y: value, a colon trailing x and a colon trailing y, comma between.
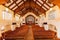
x: 30, y: 20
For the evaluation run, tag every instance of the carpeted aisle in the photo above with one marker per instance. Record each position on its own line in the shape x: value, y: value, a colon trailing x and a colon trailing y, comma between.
x: 29, y: 35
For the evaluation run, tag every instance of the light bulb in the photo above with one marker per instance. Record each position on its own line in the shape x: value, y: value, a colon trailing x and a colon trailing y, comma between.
x: 50, y: 8
x: 6, y: 9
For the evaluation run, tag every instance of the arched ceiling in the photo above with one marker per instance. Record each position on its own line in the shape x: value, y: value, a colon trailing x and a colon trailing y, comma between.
x: 21, y: 7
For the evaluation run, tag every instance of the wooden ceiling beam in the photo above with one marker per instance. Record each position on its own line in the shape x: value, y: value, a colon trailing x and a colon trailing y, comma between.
x: 46, y: 3
x: 13, y: 7
x: 32, y: 4
x: 35, y: 5
x: 19, y: 8
x: 30, y: 10
x: 26, y: 10
x: 20, y: 2
x: 42, y: 4
x: 16, y: 5
x: 12, y: 3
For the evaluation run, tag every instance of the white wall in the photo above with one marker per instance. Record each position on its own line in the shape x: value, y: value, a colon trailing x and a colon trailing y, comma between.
x: 56, y: 20
x: 41, y: 20
x: 5, y: 23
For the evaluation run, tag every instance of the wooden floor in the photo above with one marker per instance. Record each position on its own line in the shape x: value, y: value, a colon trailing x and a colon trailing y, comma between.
x: 27, y: 32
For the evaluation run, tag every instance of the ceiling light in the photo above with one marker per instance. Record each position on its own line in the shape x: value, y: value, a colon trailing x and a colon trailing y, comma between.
x: 50, y: 8
x: 2, y: 27
x: 6, y: 9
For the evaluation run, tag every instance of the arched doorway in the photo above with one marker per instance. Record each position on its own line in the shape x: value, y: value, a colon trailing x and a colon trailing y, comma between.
x: 30, y: 20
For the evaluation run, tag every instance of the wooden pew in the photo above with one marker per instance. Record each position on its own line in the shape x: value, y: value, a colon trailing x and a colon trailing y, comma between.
x: 0, y: 38
x: 16, y: 34
x: 39, y: 32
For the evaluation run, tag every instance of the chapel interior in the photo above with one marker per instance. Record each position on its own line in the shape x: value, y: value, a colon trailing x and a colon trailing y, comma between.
x: 29, y: 19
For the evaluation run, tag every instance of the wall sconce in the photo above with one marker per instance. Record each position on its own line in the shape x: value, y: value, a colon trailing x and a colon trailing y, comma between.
x: 13, y: 26
x: 45, y: 26
x: 2, y: 27
x: 18, y: 25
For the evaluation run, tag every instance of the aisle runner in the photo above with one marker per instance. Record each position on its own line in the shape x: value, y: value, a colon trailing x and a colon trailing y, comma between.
x: 29, y: 35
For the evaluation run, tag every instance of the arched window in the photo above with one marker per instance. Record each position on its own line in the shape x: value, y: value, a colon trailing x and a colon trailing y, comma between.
x: 52, y: 15
x: 6, y: 15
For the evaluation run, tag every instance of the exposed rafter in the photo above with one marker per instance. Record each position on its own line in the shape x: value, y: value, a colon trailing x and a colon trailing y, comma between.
x: 41, y: 6
x: 32, y: 5
x: 26, y: 10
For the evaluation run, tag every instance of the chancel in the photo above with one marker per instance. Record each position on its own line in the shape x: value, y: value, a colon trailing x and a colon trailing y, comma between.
x: 29, y: 19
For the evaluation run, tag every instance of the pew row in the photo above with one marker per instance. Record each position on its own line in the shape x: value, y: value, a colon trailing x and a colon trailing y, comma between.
x: 18, y: 33
x: 40, y: 32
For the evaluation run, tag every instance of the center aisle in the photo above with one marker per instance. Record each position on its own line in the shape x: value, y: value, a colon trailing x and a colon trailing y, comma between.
x: 29, y: 35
